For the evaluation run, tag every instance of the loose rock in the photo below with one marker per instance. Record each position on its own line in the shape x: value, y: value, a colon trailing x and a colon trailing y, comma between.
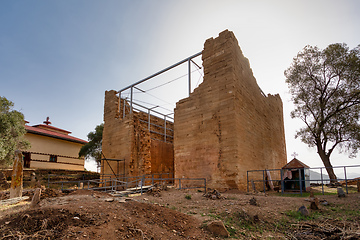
x: 253, y: 202
x: 314, y: 205
x: 36, y: 198
x: 340, y: 192
x: 304, y: 211
x: 218, y: 229
x: 213, y: 195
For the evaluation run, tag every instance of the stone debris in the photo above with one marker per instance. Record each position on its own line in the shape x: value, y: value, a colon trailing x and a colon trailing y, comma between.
x: 324, y: 202
x: 157, y: 189
x: 36, y: 198
x: 213, y: 195
x: 122, y: 200
x: 253, y: 202
x: 340, y: 192
x: 218, y: 229
x: 314, y: 203
x: 303, y: 210
x: 13, y: 200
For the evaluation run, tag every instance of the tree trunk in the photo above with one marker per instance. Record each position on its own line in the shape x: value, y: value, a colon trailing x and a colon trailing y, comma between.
x: 329, y: 168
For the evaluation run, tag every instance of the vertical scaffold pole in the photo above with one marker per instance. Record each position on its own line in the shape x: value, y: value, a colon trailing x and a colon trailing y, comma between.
x: 189, y: 73
x: 149, y: 119
x: 165, y: 127
x: 300, y: 179
x: 346, y: 181
x: 322, y: 182
x: 131, y: 100
x: 124, y: 108
x: 119, y: 103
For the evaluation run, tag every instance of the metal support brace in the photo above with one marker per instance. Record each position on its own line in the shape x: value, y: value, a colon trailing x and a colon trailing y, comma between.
x: 264, y: 180
x: 162, y: 71
x: 119, y: 103
x: 189, y: 75
x: 282, y: 181
x: 165, y: 127
x: 322, y: 182
x: 124, y: 108
x: 300, y: 179
x: 131, y: 100
x: 347, y: 192
x: 149, y: 119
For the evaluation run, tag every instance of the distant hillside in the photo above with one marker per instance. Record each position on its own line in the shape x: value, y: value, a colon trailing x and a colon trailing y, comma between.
x: 350, y: 175
x: 315, y: 177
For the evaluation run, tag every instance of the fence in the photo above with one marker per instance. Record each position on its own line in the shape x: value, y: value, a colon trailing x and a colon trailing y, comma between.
x: 138, y: 183
x: 299, y: 180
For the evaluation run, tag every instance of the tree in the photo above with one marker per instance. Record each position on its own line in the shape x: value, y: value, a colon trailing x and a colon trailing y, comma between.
x: 325, y: 88
x: 12, y: 131
x: 93, y: 148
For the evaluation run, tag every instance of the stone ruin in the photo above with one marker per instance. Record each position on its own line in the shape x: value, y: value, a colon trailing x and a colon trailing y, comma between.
x: 226, y: 126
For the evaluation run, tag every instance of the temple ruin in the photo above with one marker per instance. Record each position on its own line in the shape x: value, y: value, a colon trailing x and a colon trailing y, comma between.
x: 225, y: 127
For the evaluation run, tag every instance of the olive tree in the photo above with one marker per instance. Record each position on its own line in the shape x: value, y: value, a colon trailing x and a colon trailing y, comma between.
x: 325, y: 88
x: 12, y: 131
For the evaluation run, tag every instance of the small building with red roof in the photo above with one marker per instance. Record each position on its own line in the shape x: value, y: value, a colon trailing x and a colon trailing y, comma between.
x: 295, y: 174
x: 52, y: 148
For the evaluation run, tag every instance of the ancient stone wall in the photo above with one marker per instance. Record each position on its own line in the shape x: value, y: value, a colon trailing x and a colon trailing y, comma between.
x: 227, y: 126
x: 127, y: 136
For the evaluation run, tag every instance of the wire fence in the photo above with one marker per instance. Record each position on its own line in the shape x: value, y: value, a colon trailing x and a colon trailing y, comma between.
x: 299, y: 180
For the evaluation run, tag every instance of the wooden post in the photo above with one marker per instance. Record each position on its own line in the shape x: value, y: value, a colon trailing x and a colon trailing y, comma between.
x: 17, y: 176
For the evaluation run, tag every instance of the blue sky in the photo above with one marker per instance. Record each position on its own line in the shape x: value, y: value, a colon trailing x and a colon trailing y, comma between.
x: 57, y: 58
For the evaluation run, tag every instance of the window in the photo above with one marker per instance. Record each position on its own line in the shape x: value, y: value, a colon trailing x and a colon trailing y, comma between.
x: 53, y: 158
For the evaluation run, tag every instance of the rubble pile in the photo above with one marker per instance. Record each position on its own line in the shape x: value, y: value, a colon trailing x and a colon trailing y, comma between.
x: 214, y: 194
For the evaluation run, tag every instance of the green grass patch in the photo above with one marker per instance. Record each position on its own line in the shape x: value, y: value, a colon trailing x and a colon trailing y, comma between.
x: 304, y: 194
x: 300, y: 217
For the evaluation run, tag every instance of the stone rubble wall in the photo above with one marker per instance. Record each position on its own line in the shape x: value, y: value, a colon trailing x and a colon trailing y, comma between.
x: 128, y: 137
x: 227, y: 126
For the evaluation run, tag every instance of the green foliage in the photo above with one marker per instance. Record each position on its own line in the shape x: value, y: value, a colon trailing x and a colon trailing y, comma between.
x: 188, y: 196
x: 297, y: 215
x: 93, y: 148
x: 300, y: 217
x: 325, y: 88
x: 304, y: 194
x: 12, y: 131
x: 236, y: 221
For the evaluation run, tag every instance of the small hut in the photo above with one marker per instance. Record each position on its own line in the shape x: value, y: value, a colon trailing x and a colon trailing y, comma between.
x: 295, y: 176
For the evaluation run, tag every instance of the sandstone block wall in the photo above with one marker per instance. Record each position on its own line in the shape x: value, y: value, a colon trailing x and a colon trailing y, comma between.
x: 129, y: 138
x: 227, y: 126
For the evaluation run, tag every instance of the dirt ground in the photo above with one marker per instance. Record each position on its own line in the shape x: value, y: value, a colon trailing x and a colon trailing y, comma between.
x: 178, y: 214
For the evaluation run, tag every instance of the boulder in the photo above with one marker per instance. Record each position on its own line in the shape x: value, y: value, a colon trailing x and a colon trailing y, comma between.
x: 303, y: 210
x: 340, y: 192
x: 218, y: 229
x: 36, y: 198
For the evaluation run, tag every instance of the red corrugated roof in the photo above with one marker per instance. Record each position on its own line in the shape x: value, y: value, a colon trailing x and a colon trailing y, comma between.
x: 36, y: 130
x: 52, y: 128
x: 295, y: 164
